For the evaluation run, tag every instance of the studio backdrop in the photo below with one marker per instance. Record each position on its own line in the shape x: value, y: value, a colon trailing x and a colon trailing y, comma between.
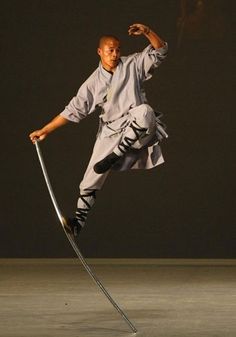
x: 181, y: 209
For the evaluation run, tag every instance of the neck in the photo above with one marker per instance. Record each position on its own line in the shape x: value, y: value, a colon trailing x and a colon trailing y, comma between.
x: 109, y: 69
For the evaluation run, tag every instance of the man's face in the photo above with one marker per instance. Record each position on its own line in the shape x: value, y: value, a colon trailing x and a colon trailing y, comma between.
x: 109, y: 53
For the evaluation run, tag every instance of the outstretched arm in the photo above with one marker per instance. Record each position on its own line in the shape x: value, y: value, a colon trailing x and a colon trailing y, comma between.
x: 140, y: 29
x: 48, y: 128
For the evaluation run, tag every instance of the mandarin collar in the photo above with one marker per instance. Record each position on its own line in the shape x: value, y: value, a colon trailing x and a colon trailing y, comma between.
x: 106, y: 73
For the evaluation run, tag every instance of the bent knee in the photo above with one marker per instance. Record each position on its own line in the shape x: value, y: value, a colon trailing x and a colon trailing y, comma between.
x: 144, y: 115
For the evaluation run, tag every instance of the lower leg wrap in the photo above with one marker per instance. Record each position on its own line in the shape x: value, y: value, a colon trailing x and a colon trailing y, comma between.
x: 85, y: 202
x: 134, y: 132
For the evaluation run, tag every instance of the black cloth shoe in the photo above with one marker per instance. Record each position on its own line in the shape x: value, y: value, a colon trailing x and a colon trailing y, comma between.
x: 73, y: 226
x: 105, y: 164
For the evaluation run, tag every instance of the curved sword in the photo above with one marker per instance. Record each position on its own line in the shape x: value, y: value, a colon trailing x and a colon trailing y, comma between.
x: 71, y: 239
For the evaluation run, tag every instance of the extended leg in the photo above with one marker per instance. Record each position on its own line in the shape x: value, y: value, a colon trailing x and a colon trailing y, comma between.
x: 85, y: 202
x: 91, y: 183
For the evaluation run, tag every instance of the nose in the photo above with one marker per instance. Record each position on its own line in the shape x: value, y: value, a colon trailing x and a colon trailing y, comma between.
x: 115, y: 53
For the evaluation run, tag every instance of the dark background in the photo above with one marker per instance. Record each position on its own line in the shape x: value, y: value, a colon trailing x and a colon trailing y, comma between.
x: 182, y: 209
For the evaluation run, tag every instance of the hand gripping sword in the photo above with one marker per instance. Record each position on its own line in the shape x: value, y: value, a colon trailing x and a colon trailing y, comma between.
x: 74, y: 245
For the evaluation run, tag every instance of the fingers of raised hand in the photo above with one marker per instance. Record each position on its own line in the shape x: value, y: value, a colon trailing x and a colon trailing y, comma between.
x: 137, y: 29
x: 134, y: 29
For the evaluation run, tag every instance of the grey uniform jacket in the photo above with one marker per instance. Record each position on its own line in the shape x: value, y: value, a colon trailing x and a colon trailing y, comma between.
x: 117, y: 94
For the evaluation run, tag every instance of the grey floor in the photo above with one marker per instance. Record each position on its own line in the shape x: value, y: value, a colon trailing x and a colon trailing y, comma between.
x: 56, y: 298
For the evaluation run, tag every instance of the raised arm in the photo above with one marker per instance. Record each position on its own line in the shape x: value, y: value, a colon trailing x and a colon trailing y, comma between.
x: 40, y: 134
x: 140, y: 29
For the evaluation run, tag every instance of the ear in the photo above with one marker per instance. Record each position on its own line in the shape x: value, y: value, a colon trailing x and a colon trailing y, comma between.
x: 99, y: 51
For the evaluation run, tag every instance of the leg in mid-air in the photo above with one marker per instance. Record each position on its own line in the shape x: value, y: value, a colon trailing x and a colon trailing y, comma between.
x: 90, y: 184
x: 139, y: 132
x: 85, y: 202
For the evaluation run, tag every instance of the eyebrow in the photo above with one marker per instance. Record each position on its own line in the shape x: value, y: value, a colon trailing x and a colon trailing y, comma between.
x: 113, y: 47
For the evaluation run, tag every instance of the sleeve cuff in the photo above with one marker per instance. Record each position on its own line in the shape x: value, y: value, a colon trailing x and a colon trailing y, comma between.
x: 162, y: 50
x: 69, y: 116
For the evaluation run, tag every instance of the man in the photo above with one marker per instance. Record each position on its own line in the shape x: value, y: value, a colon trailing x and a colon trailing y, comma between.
x: 129, y: 131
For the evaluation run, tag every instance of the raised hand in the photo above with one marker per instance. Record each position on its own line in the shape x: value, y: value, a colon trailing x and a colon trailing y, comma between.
x: 138, y: 29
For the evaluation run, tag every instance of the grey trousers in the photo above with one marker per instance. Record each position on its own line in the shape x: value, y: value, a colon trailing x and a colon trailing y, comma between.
x: 110, y: 136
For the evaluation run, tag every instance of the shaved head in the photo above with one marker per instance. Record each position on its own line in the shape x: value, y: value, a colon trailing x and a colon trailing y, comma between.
x: 105, y: 38
x: 109, y: 52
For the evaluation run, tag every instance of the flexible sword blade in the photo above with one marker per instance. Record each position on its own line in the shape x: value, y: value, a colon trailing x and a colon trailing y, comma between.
x: 73, y: 243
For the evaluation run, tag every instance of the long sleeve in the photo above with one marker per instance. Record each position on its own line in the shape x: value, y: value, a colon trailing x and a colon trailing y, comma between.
x: 80, y: 106
x: 149, y: 59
